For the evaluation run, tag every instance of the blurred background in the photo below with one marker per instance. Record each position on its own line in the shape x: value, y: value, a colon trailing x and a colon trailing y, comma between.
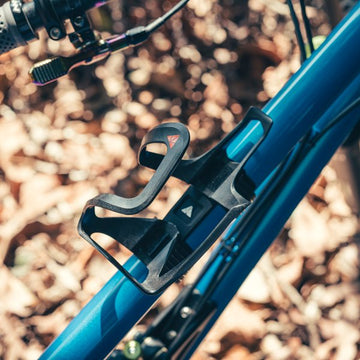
x: 68, y: 141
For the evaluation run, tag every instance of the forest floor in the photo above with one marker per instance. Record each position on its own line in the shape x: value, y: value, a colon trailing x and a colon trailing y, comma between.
x: 64, y: 143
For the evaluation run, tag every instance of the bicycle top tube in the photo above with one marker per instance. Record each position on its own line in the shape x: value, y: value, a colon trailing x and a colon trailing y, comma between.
x: 306, y: 96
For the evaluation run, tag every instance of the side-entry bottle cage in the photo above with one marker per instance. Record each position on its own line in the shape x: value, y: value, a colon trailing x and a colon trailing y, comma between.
x: 169, y: 247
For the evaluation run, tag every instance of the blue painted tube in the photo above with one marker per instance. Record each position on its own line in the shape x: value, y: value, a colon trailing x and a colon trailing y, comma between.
x: 106, y: 319
x: 91, y: 334
x: 279, y: 211
x: 119, y: 305
x: 306, y: 96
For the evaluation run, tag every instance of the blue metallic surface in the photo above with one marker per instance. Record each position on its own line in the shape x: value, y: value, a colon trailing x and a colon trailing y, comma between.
x: 110, y: 313
x: 245, y: 140
x: 106, y: 319
x: 114, y: 310
x: 280, y: 210
x: 307, y: 95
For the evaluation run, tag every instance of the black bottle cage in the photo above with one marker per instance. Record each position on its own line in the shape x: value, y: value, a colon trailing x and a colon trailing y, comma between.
x: 176, y: 138
x: 161, y: 245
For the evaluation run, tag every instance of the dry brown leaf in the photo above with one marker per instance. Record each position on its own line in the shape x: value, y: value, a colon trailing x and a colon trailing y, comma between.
x: 329, y: 296
x: 15, y: 137
x: 245, y: 323
x: 238, y: 352
x: 309, y: 230
x: 291, y: 272
x: 255, y: 288
x: 16, y: 298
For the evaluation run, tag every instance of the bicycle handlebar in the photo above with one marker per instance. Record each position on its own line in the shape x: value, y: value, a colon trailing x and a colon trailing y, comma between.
x: 10, y: 37
x: 19, y: 22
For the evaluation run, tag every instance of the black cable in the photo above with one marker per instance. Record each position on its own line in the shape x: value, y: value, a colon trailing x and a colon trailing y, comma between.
x: 299, y: 37
x: 161, y: 20
x: 139, y: 34
x: 254, y: 214
x: 336, y: 120
x: 307, y: 25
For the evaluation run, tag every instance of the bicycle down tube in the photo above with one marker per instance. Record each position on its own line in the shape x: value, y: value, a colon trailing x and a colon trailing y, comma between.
x: 325, y: 84
x: 276, y: 212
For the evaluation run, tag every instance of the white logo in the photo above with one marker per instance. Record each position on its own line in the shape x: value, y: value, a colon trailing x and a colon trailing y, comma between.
x: 16, y: 6
x: 188, y: 211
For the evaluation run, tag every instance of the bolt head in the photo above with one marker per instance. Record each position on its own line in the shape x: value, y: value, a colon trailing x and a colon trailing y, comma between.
x: 185, y: 312
x: 132, y: 350
x: 79, y: 21
x: 171, y: 334
x: 55, y: 33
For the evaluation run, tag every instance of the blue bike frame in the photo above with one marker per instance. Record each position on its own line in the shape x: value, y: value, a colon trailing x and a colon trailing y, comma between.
x: 324, y: 85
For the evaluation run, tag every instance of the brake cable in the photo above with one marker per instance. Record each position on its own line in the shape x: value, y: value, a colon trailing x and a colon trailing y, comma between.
x: 300, y: 39
x: 91, y: 48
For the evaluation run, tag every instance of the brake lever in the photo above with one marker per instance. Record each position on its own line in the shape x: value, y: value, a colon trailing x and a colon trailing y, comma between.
x: 92, y: 49
x: 49, y: 70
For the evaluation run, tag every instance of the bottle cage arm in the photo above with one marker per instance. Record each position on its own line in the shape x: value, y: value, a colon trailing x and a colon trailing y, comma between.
x: 206, y: 172
x: 176, y: 138
x: 219, y: 192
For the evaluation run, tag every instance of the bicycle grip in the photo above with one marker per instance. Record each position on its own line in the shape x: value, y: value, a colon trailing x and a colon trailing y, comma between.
x: 10, y: 37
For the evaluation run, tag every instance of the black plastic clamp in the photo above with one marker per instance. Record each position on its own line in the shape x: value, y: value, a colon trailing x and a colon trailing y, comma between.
x: 52, y: 22
x: 162, y: 245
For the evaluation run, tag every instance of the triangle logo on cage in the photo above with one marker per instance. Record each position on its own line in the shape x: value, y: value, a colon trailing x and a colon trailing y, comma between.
x: 172, y: 139
x: 188, y: 211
